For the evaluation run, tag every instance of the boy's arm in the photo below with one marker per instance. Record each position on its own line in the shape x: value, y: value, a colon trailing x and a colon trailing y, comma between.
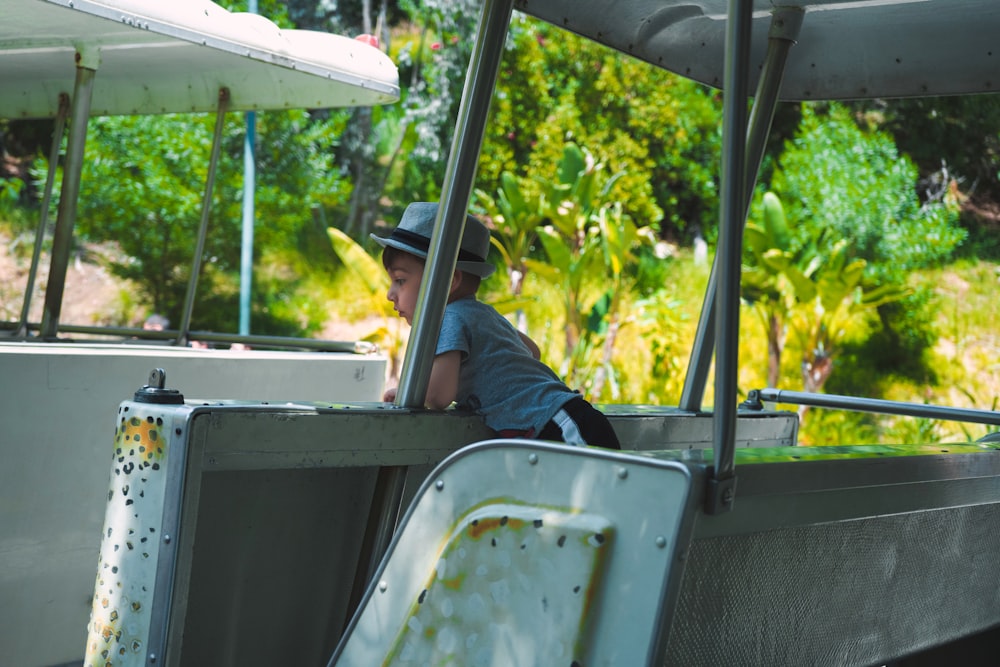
x: 530, y: 344
x: 442, y: 389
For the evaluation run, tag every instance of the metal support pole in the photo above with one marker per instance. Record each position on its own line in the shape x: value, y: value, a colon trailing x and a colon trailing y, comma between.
x: 441, y: 258
x: 62, y: 239
x: 455, y: 195
x: 249, y: 188
x: 206, y: 210
x: 722, y: 485
x: 246, y: 247
x: 43, y: 218
x: 785, y: 24
x: 757, y: 397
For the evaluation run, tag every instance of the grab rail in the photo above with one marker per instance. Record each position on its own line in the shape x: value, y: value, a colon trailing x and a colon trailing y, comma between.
x: 757, y: 397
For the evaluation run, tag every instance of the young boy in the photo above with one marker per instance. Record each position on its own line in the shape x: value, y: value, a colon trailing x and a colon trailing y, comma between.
x: 482, y: 362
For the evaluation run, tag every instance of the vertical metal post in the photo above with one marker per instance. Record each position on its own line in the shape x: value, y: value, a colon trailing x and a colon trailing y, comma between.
x: 206, y: 210
x: 785, y: 24
x: 441, y: 258
x: 722, y: 485
x: 249, y: 187
x: 246, y: 247
x: 43, y: 218
x: 87, y: 63
x: 455, y: 194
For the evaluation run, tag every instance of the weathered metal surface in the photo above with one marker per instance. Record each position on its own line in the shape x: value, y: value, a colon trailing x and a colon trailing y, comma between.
x: 647, y: 427
x: 858, y: 556
x: 520, y: 552
x: 175, y: 57
x: 137, y: 548
x: 58, y: 417
x: 513, y: 585
x: 845, y: 50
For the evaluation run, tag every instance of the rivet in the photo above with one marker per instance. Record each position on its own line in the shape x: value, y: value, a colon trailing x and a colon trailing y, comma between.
x: 622, y: 473
x: 382, y: 586
x: 533, y: 458
x: 166, y: 539
x: 439, y: 485
x: 152, y: 657
x: 661, y: 541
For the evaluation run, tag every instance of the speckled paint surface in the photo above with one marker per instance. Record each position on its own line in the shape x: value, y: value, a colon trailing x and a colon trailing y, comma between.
x: 512, y: 585
x: 126, y: 569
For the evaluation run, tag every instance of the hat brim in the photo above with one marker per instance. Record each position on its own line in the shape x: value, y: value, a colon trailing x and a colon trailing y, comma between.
x: 481, y: 269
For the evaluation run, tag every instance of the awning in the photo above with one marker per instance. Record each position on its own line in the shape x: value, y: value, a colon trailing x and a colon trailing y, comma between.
x: 845, y: 49
x: 168, y: 56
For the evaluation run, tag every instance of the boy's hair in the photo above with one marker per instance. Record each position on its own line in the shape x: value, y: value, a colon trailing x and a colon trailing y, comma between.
x: 389, y: 254
x: 470, y: 281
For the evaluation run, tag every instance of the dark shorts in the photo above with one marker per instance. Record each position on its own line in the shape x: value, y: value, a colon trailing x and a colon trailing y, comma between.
x: 580, y: 423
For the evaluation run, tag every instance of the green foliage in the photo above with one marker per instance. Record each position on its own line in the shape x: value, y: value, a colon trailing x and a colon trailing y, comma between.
x: 143, y: 188
x: 659, y: 131
x: 837, y: 179
x: 834, y: 176
x: 816, y: 293
x: 373, y: 282
x: 589, y: 242
x: 955, y: 142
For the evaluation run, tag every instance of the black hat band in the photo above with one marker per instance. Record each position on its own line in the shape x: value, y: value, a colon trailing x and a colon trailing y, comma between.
x: 422, y: 243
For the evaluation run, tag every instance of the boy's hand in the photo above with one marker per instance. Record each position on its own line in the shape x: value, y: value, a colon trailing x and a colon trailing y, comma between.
x: 390, y: 395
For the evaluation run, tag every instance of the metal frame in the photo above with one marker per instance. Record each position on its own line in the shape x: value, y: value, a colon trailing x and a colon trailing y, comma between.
x: 757, y: 397
x: 145, y: 55
x: 442, y: 253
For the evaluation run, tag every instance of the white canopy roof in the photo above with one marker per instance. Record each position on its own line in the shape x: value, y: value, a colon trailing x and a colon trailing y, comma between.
x: 163, y: 56
x: 846, y: 49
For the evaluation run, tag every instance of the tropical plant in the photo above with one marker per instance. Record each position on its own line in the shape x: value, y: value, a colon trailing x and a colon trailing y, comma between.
x: 817, y: 291
x: 514, y: 217
x: 851, y: 181
x: 775, y: 278
x: 143, y: 188
x: 374, y: 281
x: 840, y: 303
x: 589, y: 243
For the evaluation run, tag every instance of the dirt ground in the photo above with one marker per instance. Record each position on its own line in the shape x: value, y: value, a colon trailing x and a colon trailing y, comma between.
x: 92, y: 296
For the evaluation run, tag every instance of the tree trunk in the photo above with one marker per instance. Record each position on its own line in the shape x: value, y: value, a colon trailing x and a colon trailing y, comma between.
x: 601, y: 376
x: 775, y: 346
x: 815, y: 373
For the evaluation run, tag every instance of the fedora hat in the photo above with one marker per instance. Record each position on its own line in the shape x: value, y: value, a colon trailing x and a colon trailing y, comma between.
x: 413, y: 235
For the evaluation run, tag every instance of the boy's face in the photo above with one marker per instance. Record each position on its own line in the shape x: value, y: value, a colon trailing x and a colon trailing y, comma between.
x: 405, y: 273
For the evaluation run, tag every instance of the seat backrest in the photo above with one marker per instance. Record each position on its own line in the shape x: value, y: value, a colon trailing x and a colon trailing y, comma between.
x: 527, y: 553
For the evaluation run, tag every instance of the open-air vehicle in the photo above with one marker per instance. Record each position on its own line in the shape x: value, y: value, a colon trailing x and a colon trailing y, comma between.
x: 67, y: 61
x: 260, y: 534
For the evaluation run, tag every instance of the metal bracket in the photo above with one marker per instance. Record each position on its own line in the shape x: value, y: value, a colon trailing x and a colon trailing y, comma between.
x: 753, y: 401
x: 154, y: 392
x: 786, y: 23
x: 720, y: 495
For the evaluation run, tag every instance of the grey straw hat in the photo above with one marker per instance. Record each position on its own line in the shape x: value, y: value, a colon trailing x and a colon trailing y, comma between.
x: 413, y: 235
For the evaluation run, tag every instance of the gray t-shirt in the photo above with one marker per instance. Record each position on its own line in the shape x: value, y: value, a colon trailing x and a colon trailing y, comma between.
x: 498, y: 377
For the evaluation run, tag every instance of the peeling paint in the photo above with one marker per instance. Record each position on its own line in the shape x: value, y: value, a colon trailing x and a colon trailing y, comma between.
x: 126, y: 568
x: 512, y: 585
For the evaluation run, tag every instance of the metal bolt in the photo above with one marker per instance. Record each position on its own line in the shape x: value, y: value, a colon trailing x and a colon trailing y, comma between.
x: 382, y: 586
x: 439, y: 485
x: 622, y: 473
x: 533, y: 458
x: 166, y: 539
x: 661, y: 541
x: 152, y: 657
